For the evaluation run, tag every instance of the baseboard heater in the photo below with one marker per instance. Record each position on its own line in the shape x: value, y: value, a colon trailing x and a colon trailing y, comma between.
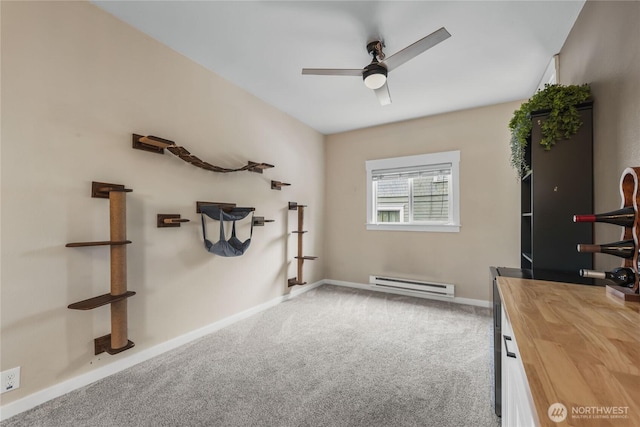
x: 429, y: 288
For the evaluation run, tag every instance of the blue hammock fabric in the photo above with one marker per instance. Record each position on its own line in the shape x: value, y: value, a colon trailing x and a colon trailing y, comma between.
x: 226, y: 248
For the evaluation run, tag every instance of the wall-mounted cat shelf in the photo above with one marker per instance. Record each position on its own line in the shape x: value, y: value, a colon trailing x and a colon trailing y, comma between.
x: 298, y: 280
x: 227, y: 207
x: 157, y: 145
x: 258, y: 221
x: 277, y: 185
x: 117, y: 340
x: 170, y: 220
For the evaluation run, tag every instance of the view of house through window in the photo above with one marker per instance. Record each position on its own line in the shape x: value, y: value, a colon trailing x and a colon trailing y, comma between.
x: 388, y: 214
x: 421, y: 195
x: 413, y: 191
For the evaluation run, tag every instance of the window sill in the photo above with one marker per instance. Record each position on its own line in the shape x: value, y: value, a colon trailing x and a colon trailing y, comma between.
x: 438, y: 228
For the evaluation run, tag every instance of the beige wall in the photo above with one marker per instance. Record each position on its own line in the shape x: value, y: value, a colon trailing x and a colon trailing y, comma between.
x: 489, y: 203
x: 76, y: 83
x: 602, y: 49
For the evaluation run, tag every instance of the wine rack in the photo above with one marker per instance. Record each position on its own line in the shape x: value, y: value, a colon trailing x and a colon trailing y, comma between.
x: 630, y: 194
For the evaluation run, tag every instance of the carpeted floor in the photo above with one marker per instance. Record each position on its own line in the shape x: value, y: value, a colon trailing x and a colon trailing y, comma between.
x: 332, y: 356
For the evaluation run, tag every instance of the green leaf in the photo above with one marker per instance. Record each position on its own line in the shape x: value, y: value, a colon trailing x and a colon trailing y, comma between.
x: 562, y: 122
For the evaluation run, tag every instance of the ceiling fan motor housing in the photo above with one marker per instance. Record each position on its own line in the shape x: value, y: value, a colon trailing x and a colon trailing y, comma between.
x: 374, y: 75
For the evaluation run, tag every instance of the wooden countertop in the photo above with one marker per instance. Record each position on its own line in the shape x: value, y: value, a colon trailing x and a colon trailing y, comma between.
x: 579, y: 347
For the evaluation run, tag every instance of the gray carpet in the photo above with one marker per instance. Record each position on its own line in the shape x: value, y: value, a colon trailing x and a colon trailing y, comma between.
x: 330, y: 357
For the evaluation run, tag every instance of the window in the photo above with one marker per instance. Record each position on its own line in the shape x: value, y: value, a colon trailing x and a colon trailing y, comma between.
x: 414, y: 193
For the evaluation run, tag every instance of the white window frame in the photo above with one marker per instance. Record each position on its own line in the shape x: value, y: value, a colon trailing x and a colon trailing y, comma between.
x: 452, y: 157
x: 551, y: 74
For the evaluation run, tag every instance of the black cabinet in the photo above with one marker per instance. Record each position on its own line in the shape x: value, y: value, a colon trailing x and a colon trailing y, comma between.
x: 559, y: 185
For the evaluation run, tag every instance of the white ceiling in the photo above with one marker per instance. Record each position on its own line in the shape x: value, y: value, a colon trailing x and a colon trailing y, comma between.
x: 498, y: 51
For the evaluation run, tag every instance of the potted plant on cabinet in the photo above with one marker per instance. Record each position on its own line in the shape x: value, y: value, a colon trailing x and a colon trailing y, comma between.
x: 562, y: 122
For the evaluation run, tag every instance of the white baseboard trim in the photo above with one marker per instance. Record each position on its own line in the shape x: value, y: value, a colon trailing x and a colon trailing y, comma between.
x: 369, y: 287
x: 42, y: 396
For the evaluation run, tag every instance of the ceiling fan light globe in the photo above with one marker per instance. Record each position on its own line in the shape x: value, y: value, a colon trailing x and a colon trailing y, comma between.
x: 375, y: 81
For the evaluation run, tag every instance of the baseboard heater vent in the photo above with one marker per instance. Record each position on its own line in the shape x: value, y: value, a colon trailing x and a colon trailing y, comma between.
x: 430, y: 288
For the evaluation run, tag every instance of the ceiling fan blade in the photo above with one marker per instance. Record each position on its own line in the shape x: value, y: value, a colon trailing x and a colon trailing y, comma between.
x: 332, y: 72
x: 411, y: 51
x: 383, y: 94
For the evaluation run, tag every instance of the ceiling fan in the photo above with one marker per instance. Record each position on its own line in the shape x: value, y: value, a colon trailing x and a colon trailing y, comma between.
x: 375, y: 74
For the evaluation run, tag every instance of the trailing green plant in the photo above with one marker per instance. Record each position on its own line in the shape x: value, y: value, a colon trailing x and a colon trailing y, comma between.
x: 562, y: 122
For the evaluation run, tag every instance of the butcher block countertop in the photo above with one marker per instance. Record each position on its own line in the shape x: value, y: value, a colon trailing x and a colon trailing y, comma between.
x: 580, y: 347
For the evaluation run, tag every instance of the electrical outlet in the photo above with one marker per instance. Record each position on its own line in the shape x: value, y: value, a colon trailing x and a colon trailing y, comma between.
x: 10, y: 379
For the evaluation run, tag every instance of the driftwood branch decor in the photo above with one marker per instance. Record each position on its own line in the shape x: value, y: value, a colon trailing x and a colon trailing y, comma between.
x: 157, y: 145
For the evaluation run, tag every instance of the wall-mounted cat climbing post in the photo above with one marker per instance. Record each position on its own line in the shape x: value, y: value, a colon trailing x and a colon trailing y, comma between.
x: 157, y: 145
x: 117, y: 341
x: 298, y: 280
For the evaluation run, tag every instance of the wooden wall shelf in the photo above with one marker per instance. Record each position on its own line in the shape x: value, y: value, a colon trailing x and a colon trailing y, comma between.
x: 257, y: 167
x: 99, y: 301
x: 224, y: 206
x: 277, y: 185
x: 170, y: 220
x: 259, y: 221
x: 152, y: 144
x: 157, y: 145
x: 117, y: 341
x: 103, y: 344
x: 103, y: 243
x: 298, y: 280
x: 293, y: 206
x: 227, y: 207
x: 101, y: 190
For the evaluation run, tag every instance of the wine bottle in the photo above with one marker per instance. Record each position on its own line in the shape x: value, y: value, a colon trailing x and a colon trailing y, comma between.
x: 623, y: 217
x: 621, y: 276
x: 623, y: 248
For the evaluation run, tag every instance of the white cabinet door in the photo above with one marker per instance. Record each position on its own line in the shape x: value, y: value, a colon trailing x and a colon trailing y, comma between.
x: 517, y: 405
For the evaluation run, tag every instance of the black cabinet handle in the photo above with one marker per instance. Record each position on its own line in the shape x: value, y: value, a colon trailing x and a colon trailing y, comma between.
x: 506, y: 348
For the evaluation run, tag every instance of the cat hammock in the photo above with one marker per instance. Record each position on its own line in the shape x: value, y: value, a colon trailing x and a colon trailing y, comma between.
x: 223, y: 247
